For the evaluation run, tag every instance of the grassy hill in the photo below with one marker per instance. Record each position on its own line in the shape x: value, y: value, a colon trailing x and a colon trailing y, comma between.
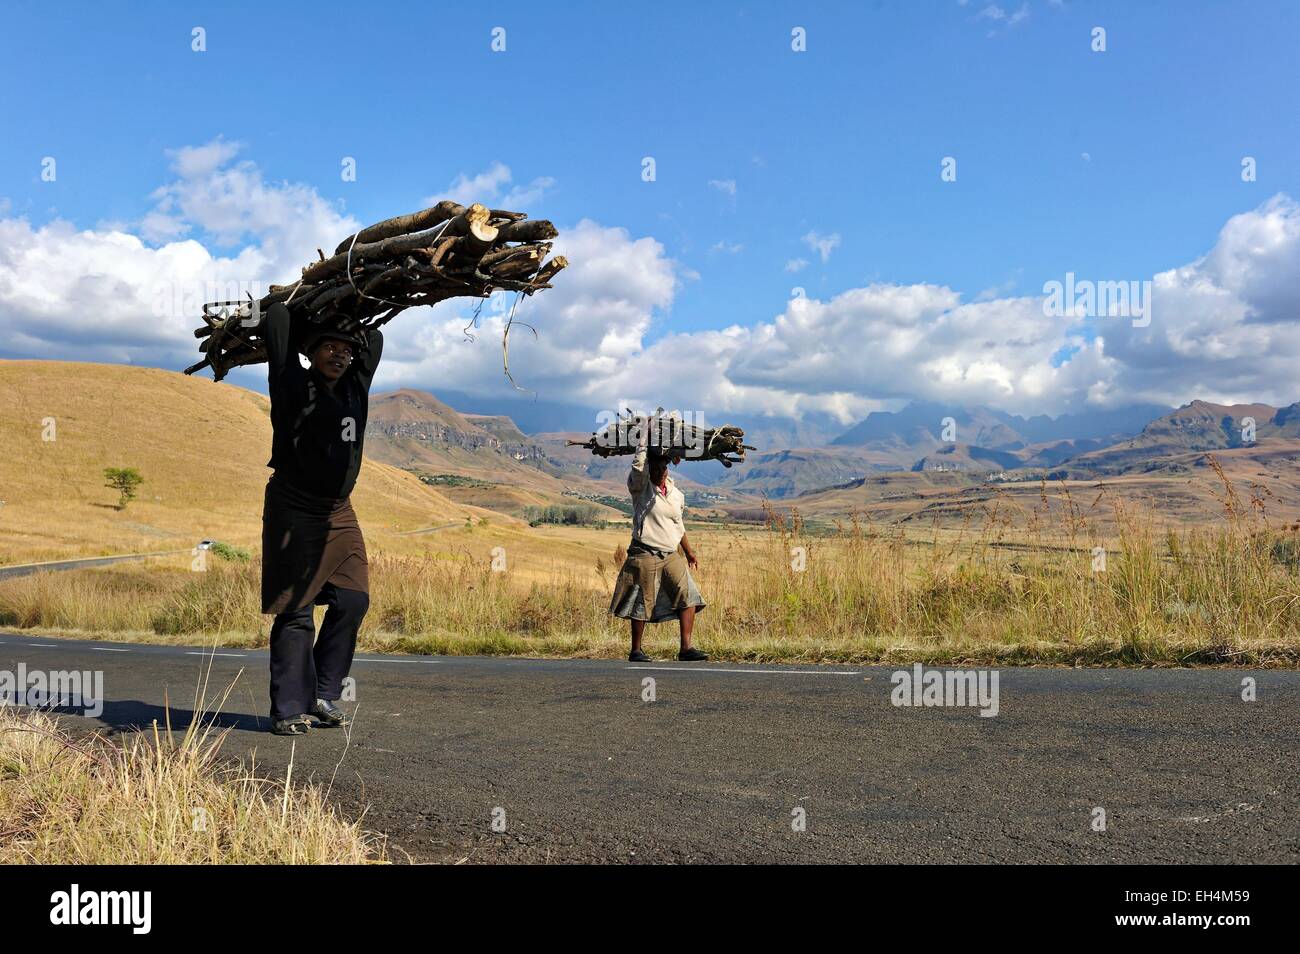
x: 1179, y: 489
x: 202, y: 448
x: 504, y: 469
x: 414, y: 430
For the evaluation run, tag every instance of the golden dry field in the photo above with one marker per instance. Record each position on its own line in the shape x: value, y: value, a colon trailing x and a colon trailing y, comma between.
x: 1008, y: 575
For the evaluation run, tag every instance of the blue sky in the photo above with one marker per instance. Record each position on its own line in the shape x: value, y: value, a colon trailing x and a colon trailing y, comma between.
x: 1118, y: 164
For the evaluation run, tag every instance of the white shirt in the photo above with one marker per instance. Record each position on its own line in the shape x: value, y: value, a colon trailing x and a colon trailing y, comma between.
x: 656, y: 517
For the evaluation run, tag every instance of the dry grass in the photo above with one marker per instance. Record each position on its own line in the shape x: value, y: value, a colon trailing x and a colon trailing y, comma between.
x: 1017, y: 588
x: 159, y: 800
x: 202, y: 448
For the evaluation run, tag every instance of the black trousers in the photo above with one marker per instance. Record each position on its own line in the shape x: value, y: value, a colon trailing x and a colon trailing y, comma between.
x: 302, y: 672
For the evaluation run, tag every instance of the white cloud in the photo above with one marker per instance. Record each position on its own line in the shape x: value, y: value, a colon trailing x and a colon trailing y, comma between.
x: 997, y: 291
x: 198, y: 162
x: 590, y: 325
x: 1224, y: 327
x: 493, y: 186
x: 486, y: 185
x: 106, y: 294
x: 229, y: 202
x: 731, y: 248
x: 520, y: 197
x: 1227, y: 326
x: 1001, y: 17
x: 823, y: 245
x: 725, y: 186
x: 796, y: 265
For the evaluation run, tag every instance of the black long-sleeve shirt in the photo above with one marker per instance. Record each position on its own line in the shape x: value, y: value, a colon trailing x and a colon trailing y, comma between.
x: 318, y: 430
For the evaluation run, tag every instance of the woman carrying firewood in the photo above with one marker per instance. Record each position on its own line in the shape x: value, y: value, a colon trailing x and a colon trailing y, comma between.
x: 655, y: 583
x: 312, y: 550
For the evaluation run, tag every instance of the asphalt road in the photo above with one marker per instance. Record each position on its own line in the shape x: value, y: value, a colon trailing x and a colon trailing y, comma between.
x: 580, y: 768
x: 25, y: 569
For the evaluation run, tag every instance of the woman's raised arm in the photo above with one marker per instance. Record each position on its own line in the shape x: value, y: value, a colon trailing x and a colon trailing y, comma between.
x: 636, y: 478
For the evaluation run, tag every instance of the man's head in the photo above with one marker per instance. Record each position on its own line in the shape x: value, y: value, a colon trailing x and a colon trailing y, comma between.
x: 331, y: 354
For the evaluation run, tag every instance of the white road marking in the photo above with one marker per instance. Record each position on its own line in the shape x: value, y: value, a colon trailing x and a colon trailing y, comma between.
x: 434, y: 662
x: 768, y: 672
x: 416, y: 662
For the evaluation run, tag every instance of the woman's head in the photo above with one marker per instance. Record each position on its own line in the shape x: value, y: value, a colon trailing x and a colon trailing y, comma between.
x: 657, y: 464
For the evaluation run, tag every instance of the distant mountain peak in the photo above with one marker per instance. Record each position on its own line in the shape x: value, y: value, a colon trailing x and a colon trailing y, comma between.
x: 920, y: 425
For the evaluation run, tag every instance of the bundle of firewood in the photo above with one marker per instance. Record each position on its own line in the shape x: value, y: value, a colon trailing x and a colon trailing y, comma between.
x: 447, y: 251
x: 670, y: 436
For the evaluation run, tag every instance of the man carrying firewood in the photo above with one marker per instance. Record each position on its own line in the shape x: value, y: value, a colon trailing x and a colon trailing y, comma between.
x: 313, y: 553
x: 655, y: 583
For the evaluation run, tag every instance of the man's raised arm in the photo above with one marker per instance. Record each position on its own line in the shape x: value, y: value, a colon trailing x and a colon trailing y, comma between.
x: 276, y: 332
x: 368, y: 360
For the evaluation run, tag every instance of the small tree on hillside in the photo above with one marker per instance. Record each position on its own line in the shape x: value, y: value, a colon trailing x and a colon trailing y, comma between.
x: 124, y: 480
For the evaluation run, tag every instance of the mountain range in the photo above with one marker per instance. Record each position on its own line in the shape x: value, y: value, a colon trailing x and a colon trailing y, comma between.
x: 1194, y: 428
x: 415, y: 430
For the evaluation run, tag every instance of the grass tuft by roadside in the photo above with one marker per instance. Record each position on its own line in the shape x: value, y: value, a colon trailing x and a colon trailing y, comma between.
x: 160, y: 800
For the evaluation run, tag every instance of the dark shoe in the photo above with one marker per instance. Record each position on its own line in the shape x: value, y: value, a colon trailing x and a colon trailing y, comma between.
x: 638, y: 656
x: 330, y: 715
x: 294, y: 725
x: 692, y: 655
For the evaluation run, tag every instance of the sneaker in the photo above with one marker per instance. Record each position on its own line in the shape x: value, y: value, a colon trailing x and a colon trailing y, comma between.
x: 692, y: 655
x: 330, y: 715
x: 638, y: 656
x: 294, y: 725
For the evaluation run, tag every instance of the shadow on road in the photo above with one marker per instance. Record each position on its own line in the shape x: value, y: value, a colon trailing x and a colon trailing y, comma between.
x: 132, y: 715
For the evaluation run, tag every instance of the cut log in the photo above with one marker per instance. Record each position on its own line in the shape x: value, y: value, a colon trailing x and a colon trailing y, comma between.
x: 529, y: 230
x: 551, y: 268
x: 404, y: 224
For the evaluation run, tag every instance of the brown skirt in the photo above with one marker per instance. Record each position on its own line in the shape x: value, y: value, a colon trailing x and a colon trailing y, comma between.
x: 654, y: 588
x: 308, y: 541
